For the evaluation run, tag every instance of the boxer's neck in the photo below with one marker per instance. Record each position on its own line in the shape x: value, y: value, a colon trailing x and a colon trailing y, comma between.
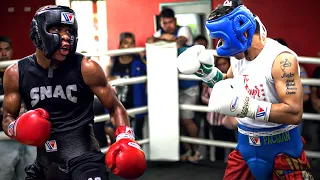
x: 43, y: 61
x: 256, y: 47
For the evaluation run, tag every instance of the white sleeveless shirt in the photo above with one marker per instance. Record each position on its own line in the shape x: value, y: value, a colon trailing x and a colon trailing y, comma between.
x: 257, y: 79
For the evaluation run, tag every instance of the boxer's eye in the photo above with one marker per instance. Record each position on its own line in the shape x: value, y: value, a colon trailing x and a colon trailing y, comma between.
x: 55, y: 30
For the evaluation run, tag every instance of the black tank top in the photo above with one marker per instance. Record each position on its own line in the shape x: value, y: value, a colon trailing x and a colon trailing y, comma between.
x: 66, y: 96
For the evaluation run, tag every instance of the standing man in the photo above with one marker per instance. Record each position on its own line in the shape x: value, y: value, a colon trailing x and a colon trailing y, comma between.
x: 15, y: 157
x: 170, y: 31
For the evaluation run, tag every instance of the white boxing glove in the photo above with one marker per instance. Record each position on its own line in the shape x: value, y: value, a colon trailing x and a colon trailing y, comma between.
x: 196, y: 60
x: 229, y: 97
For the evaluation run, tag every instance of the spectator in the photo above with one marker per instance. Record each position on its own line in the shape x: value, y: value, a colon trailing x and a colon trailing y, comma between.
x: 200, y: 117
x: 215, y: 120
x: 170, y: 31
x: 15, y: 157
x: 131, y: 96
x: 314, y: 129
x: 189, y: 93
x: 201, y: 40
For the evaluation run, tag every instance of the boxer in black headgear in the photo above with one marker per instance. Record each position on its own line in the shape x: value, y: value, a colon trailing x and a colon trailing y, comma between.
x: 59, y: 106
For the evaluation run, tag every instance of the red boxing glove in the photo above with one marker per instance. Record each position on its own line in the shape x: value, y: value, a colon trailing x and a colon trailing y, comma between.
x: 125, y: 157
x: 31, y: 128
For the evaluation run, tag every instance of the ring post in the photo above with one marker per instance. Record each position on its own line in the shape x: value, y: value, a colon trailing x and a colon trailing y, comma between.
x: 163, y: 101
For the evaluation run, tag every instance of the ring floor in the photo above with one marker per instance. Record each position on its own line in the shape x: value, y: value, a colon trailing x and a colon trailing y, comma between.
x: 204, y: 170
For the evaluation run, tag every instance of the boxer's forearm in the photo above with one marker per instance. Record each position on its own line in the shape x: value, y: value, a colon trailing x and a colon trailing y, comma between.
x: 285, y: 114
x: 119, y: 117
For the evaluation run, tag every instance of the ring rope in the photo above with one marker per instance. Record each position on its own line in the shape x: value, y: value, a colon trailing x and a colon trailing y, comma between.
x: 144, y: 109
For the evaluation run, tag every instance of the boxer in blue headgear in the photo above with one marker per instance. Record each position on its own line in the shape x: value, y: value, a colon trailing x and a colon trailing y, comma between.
x: 262, y: 89
x: 231, y: 29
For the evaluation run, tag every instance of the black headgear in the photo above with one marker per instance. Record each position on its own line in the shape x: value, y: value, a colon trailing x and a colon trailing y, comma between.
x: 51, y: 16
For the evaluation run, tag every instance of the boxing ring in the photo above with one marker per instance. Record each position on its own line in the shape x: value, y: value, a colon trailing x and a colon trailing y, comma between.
x: 161, y: 142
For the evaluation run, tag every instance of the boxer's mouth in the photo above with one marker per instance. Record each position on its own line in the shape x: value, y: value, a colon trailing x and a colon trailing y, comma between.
x: 65, y: 49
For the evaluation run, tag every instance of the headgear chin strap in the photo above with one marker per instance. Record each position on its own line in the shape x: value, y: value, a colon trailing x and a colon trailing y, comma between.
x: 263, y: 30
x: 53, y: 16
x: 231, y: 29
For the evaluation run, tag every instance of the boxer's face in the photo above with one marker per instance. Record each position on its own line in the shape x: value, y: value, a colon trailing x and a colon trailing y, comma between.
x: 5, y: 51
x: 168, y: 25
x: 65, y: 33
x: 237, y: 56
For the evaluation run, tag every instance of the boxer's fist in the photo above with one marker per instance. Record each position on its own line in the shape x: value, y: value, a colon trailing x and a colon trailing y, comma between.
x: 229, y: 97
x: 31, y: 128
x: 196, y: 60
x: 125, y: 157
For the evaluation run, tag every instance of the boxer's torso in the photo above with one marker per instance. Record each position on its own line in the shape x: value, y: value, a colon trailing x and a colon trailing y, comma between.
x: 256, y: 77
x: 65, y: 96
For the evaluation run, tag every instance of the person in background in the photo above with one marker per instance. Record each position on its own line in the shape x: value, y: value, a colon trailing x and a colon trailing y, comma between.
x: 131, y: 96
x: 216, y: 120
x: 170, y: 31
x: 201, y: 40
x: 14, y: 156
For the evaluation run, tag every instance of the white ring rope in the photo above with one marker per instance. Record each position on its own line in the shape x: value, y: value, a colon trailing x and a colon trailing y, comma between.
x: 144, y: 109
x: 301, y: 59
x: 141, y: 142
x: 117, y: 52
x: 117, y: 82
x: 305, y: 81
x: 101, y: 118
x: 201, y: 108
x: 131, y: 112
x: 226, y: 144
x: 127, y: 81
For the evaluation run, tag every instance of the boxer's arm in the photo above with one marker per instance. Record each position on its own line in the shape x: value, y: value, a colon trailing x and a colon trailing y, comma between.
x: 289, y: 88
x: 95, y: 78
x: 12, y: 98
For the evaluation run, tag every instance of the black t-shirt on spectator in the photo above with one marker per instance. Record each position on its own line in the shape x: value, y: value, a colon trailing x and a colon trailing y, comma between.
x: 316, y: 74
x: 125, y: 92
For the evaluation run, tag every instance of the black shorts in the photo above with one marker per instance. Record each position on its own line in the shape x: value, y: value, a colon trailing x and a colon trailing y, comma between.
x: 77, y: 156
x: 89, y: 165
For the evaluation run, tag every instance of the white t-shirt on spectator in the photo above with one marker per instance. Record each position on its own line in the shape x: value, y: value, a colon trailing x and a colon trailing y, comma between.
x: 183, y: 31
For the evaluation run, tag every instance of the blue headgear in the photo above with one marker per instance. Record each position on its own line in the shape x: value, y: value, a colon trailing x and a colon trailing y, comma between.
x: 231, y: 28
